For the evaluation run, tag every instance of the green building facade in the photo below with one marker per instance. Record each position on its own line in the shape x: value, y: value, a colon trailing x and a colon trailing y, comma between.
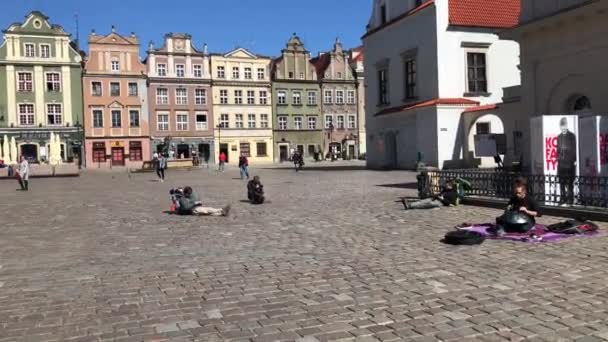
x: 41, y: 89
x: 296, y: 105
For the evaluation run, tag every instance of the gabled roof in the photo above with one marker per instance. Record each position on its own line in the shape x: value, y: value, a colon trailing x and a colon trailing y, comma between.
x: 240, y: 51
x: 484, y: 13
x: 113, y: 38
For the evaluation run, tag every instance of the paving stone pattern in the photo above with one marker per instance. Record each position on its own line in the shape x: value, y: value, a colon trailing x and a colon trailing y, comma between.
x: 332, y: 258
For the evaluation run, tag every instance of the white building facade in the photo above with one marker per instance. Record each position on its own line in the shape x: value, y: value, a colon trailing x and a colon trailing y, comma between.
x: 426, y: 62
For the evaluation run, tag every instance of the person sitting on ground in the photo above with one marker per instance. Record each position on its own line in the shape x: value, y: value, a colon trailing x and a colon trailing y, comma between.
x: 255, y: 191
x: 190, y: 204
x: 520, y: 202
x: 447, y: 197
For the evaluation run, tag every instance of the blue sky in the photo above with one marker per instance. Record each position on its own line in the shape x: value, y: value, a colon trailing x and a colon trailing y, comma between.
x: 263, y: 26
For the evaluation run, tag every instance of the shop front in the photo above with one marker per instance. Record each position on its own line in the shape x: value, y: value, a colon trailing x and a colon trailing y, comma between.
x: 109, y: 153
x: 184, y: 148
x: 35, y: 144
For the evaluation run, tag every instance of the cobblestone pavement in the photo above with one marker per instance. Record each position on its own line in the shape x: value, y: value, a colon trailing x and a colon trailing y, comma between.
x: 332, y: 258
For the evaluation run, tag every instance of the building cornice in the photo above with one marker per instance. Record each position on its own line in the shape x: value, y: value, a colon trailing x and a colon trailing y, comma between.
x: 241, y: 83
x: 188, y: 81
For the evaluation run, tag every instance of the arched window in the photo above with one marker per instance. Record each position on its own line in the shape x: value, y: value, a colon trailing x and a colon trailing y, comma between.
x: 581, y: 104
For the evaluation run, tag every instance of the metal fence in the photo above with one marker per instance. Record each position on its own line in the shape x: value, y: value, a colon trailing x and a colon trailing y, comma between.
x: 546, y: 189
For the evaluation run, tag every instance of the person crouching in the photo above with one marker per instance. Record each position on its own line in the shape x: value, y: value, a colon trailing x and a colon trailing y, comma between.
x: 255, y: 191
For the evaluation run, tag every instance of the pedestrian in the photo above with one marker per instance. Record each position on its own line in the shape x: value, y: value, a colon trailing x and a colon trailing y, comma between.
x: 255, y: 191
x: 24, y: 174
x: 244, y: 166
x: 161, y: 166
x: 222, y: 161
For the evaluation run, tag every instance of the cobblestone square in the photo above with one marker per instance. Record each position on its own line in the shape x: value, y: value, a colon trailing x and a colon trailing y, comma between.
x: 333, y: 257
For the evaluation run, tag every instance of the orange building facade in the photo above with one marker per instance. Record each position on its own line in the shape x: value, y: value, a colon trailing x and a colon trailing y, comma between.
x: 116, y: 118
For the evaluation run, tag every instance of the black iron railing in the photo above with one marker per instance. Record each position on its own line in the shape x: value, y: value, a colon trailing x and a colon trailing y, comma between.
x: 546, y: 189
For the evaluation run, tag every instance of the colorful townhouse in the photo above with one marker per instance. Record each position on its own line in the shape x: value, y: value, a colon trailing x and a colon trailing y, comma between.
x: 41, y: 89
x: 339, y: 103
x: 242, y: 103
x: 296, y: 104
x: 116, y: 121
x: 180, y: 106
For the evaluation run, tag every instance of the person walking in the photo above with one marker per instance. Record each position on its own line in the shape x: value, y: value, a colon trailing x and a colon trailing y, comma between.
x: 24, y: 174
x: 222, y: 162
x: 244, y: 166
x: 161, y: 166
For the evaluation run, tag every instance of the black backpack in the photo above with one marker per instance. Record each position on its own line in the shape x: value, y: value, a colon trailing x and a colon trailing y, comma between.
x: 463, y: 237
x: 573, y: 227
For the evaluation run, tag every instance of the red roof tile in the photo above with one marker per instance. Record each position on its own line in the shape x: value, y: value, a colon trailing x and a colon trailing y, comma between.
x: 481, y: 108
x: 434, y: 102
x: 485, y: 13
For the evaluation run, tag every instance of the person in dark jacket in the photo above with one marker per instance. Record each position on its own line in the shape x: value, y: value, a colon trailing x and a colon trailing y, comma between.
x: 255, y: 191
x: 244, y: 166
x: 190, y: 204
x: 522, y: 202
x: 566, y: 162
x: 447, y: 197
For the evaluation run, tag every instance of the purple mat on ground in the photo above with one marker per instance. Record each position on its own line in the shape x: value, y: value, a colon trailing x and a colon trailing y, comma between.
x: 539, y: 230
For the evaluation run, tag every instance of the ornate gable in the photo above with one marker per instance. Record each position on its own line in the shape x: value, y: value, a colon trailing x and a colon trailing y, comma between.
x: 37, y: 23
x: 240, y: 53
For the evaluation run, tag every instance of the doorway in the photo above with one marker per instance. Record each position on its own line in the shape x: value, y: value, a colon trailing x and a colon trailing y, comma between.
x: 183, y: 151
x: 283, y: 153
x: 30, y: 152
x: 118, y: 156
x: 203, y: 151
x: 351, y: 151
x: 224, y: 149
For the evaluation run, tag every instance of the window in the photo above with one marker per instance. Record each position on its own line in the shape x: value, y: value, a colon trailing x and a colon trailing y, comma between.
x: 312, y: 122
x: 340, y: 97
x: 53, y: 114
x: 181, y: 96
x: 383, y: 87
x: 261, y: 73
x: 290, y: 74
x: 135, y: 151
x: 97, y: 118
x: 238, y: 97
x: 410, y: 78
x: 282, y: 122
x: 352, y: 121
x: 312, y: 98
x: 30, y: 50
x: 350, y: 97
x: 297, y: 122
x: 221, y: 72
x: 224, y: 121
x: 297, y: 98
x: 328, y: 97
x: 45, y: 51
x: 250, y: 97
x: 161, y: 69
x: 115, y: 66
x: 134, y: 118
x: 201, y: 122
x: 25, y: 82
x: 162, y: 96
x: 96, y: 88
x: 26, y: 114
x: 163, y: 122
x: 383, y: 14
x: 476, y: 66
x: 245, y: 149
x: 236, y: 73
x: 482, y: 127
x: 261, y: 149
x: 238, y: 120
x: 200, y: 96
x: 132, y: 89
x: 282, y: 97
x: 224, y: 96
x: 251, y: 121
x: 301, y: 75
x: 339, y: 75
x: 264, y: 120
x: 53, y: 83
x: 180, y: 70
x: 116, y: 119
x: 263, y: 97
x: 197, y: 70
x: 311, y: 150
x: 114, y: 89
x: 248, y: 74
x: 99, y: 152
x: 182, y: 122
x: 340, y: 121
x: 329, y: 122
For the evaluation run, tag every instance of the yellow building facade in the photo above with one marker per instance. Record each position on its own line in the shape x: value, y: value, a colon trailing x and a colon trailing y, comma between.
x: 242, y: 103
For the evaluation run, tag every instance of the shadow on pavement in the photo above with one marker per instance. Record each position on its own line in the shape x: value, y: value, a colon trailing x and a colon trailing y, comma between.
x: 321, y: 168
x: 411, y: 186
